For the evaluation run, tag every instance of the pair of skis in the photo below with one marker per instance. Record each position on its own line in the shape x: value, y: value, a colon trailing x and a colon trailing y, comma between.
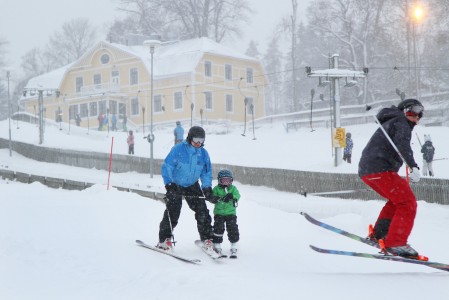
x: 436, y: 265
x: 213, y: 255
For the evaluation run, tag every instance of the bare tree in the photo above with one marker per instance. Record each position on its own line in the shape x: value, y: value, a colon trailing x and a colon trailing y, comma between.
x: 181, y: 19
x: 69, y: 44
x: 3, y: 44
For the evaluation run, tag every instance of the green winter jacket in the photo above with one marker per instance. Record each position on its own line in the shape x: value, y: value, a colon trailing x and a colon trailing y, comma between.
x: 225, y: 208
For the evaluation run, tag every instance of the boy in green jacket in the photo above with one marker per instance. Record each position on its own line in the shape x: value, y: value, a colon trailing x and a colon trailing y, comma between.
x: 226, y: 197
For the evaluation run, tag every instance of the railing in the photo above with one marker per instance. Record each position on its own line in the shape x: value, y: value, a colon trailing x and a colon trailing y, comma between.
x: 429, y: 189
x: 99, y: 88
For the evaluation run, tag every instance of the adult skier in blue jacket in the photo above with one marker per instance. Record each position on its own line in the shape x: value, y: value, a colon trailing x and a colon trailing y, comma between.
x: 186, y: 163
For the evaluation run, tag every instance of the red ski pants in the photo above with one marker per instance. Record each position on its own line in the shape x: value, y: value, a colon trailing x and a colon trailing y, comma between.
x: 400, y: 207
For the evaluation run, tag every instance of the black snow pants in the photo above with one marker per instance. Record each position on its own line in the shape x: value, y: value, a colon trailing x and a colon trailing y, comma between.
x: 173, y: 211
x: 231, y: 227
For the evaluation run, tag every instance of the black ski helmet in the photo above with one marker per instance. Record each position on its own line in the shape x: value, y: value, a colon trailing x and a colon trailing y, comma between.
x: 348, y: 135
x: 412, y: 105
x: 195, y: 132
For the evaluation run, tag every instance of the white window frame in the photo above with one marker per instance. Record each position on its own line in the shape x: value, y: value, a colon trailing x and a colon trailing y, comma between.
x: 229, y: 103
x: 177, y: 101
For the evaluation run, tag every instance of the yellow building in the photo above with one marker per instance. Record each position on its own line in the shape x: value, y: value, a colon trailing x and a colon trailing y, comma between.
x: 195, y: 78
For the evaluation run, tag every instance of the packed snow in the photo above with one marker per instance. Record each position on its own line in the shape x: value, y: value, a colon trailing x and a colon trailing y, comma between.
x: 60, y: 244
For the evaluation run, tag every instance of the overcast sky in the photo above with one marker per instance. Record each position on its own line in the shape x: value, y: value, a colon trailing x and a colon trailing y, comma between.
x: 26, y: 24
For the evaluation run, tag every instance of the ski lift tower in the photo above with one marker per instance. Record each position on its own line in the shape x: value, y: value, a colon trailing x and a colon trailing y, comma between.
x: 332, y: 76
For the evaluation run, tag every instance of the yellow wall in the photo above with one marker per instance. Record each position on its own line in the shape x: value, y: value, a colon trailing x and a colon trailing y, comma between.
x: 191, y: 86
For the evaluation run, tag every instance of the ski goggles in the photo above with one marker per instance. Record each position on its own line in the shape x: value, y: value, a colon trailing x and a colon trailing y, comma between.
x: 198, y: 140
x: 415, y: 110
x: 226, y: 181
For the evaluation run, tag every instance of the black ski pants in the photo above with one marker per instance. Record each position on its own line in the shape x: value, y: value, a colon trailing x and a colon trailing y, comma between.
x: 173, y: 211
x: 230, y: 222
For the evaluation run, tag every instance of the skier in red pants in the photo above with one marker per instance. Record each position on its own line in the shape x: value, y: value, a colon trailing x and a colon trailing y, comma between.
x: 378, y: 168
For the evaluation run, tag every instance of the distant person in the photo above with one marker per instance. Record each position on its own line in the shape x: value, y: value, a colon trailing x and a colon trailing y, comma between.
x: 130, y: 141
x: 100, y: 121
x: 183, y: 167
x: 378, y: 168
x: 347, y: 151
x: 114, y: 122
x: 225, y: 196
x: 125, y: 120
x: 178, y: 132
x: 428, y: 151
x: 106, y: 122
x: 78, y: 120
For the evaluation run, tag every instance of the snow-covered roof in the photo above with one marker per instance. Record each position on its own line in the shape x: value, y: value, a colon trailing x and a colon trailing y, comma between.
x: 50, y: 80
x: 180, y: 57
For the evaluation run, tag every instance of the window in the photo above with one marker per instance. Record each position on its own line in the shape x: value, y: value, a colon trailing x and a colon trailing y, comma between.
x: 178, y: 101
x: 208, y: 100
x: 104, y: 59
x: 102, y: 106
x: 121, y: 110
x: 134, y: 106
x: 112, y: 107
x: 157, y: 103
x: 79, y: 84
x: 73, y: 111
x: 133, y: 76
x: 97, y: 81
x: 83, y: 110
x: 228, y: 72
x: 115, y: 77
x: 249, y: 75
x: 93, y: 109
x: 207, y: 68
x: 229, y: 104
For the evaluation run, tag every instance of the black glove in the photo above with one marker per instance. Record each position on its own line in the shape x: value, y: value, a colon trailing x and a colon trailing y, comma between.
x: 207, y: 193
x: 172, y: 190
x: 227, y: 197
x: 214, y: 199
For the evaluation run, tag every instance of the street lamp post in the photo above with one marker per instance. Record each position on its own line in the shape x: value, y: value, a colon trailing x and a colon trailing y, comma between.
x: 9, y: 115
x: 417, y: 15
x: 152, y: 44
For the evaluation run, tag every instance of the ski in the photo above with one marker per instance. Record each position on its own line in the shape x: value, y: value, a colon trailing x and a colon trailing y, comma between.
x: 193, y: 261
x: 233, y: 255
x: 436, y: 265
x: 340, y: 231
x: 214, y: 255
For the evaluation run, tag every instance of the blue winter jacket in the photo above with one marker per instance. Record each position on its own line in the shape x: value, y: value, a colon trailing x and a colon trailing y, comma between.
x: 185, y: 164
x: 178, y: 132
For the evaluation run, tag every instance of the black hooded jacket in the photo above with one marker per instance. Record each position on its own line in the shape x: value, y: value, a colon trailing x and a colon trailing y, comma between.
x: 379, y: 155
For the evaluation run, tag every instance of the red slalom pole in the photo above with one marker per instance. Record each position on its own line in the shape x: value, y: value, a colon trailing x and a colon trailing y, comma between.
x: 110, y: 161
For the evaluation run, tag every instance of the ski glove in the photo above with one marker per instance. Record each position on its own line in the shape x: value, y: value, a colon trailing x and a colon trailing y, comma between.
x: 172, y: 190
x: 207, y: 193
x: 414, y: 175
x: 227, y: 197
x: 214, y: 199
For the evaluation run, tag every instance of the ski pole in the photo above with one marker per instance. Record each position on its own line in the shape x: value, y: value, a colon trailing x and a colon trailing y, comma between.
x: 440, y: 158
x: 169, y: 221
x: 391, y: 142
x: 335, y: 192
